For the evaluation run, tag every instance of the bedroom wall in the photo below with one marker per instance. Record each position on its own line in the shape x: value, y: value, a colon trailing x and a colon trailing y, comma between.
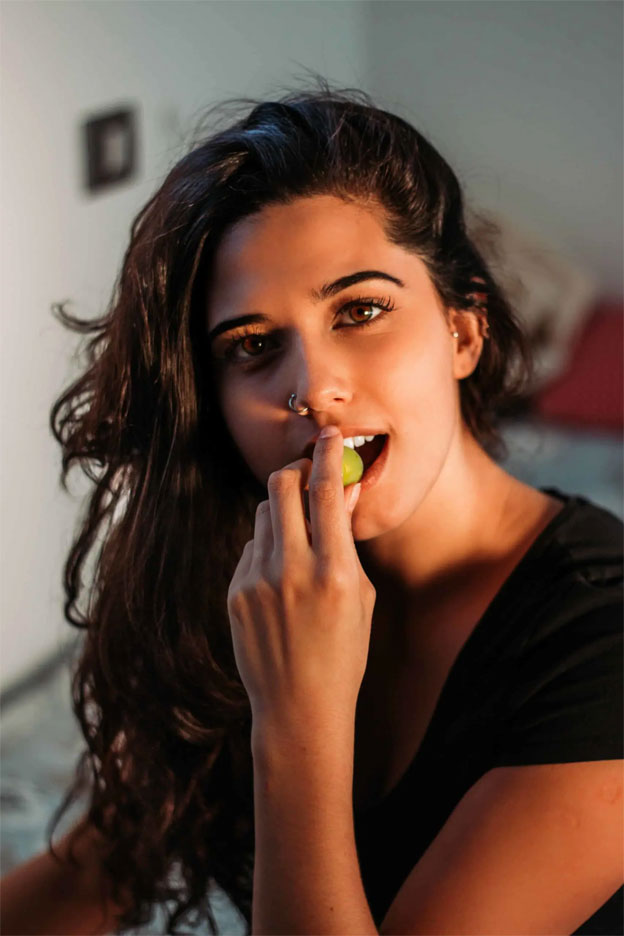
x: 62, y: 61
x: 523, y: 98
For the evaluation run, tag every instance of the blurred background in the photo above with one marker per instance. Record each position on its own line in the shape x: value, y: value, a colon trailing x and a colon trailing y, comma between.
x: 98, y: 99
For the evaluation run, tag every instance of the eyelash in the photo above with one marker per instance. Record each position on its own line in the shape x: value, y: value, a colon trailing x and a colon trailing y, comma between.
x: 386, y: 305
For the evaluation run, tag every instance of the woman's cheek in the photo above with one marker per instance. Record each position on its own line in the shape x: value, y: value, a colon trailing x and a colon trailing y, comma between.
x: 259, y: 454
x: 242, y: 417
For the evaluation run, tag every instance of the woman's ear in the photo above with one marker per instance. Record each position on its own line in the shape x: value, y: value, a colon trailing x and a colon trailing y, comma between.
x: 471, y: 329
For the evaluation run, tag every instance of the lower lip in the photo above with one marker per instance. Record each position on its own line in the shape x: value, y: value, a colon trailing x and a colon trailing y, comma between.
x: 372, y: 474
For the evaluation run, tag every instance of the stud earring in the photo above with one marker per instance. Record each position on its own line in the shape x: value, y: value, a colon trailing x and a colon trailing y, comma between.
x: 455, y: 334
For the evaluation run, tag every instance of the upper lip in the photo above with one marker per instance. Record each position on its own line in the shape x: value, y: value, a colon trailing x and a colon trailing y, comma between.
x: 348, y: 432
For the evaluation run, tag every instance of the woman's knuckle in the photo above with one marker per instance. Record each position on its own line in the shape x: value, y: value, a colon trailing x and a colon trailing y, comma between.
x: 292, y: 587
x: 263, y: 587
x: 370, y: 589
x: 333, y: 580
x: 282, y: 480
x: 323, y: 490
x: 273, y: 481
x: 235, y: 600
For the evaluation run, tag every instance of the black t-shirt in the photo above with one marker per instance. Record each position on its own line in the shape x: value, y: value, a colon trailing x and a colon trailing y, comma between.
x: 538, y: 681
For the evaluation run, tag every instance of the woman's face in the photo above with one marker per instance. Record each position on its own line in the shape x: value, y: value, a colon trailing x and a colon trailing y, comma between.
x: 396, y: 375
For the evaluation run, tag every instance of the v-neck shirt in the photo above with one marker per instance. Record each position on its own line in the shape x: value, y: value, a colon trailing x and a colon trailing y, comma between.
x: 538, y: 681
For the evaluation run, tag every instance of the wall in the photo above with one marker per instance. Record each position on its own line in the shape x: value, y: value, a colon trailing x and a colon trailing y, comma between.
x: 524, y: 99
x: 62, y: 61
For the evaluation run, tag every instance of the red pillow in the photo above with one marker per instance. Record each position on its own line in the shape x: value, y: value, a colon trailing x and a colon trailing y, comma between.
x: 590, y: 391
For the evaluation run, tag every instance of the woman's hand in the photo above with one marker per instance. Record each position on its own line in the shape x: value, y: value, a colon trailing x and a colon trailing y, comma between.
x: 300, y: 604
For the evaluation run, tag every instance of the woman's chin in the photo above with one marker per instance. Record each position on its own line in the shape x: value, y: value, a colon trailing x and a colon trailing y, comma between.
x: 365, y: 528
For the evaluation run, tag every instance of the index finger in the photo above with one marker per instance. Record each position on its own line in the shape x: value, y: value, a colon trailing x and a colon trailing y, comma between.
x: 287, y: 498
x: 331, y: 535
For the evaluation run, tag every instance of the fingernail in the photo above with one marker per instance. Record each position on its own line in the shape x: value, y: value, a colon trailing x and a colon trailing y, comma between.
x: 353, y: 496
x: 328, y: 431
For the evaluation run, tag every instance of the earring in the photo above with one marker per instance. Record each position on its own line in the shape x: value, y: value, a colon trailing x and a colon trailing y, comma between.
x: 455, y: 334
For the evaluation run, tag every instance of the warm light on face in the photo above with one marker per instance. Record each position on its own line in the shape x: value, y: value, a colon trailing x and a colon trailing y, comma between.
x: 325, y: 292
x: 229, y: 344
x: 311, y: 298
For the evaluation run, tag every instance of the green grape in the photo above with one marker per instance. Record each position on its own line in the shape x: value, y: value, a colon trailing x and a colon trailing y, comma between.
x: 352, y: 466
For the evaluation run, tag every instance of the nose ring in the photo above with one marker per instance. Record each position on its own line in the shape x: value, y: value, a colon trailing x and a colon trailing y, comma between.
x: 300, y: 410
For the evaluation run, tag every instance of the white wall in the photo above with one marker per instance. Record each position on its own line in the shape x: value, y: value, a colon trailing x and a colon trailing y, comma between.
x: 523, y: 98
x: 62, y: 61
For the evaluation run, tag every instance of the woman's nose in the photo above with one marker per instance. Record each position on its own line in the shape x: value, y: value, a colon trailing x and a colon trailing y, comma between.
x: 319, y: 379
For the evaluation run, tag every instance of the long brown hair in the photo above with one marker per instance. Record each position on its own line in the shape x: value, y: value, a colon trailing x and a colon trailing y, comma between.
x: 166, y: 720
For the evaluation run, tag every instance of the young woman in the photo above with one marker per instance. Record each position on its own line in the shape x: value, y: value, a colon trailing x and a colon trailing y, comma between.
x: 394, y: 712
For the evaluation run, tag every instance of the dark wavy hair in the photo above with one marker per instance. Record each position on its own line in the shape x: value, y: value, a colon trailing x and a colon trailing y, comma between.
x: 167, y: 765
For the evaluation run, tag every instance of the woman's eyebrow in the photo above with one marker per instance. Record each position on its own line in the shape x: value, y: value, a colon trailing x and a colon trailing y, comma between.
x: 325, y: 292
x: 330, y: 289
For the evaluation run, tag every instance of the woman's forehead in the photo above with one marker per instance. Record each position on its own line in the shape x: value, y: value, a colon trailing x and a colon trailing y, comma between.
x: 294, y: 233
x: 298, y: 248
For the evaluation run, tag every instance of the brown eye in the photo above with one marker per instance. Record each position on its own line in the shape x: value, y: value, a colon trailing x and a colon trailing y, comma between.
x: 363, y: 308
x: 363, y: 311
x: 248, y: 349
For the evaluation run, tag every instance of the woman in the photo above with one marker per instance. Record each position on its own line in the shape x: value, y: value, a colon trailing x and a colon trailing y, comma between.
x: 397, y: 706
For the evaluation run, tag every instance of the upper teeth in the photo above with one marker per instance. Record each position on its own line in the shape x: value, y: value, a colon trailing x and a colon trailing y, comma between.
x: 356, y: 441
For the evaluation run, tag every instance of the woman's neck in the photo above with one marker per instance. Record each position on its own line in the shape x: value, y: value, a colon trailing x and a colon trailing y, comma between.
x: 435, y: 582
x: 466, y: 519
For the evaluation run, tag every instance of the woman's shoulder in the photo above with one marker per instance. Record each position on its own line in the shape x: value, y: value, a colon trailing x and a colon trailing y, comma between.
x: 557, y: 650
x: 582, y: 543
x: 570, y: 579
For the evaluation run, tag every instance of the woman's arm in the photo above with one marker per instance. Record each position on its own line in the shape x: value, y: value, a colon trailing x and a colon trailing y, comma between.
x: 306, y: 870
x: 43, y: 896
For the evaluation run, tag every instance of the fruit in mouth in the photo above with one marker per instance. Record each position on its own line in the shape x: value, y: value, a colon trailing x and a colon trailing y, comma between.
x: 352, y: 466
x: 356, y: 461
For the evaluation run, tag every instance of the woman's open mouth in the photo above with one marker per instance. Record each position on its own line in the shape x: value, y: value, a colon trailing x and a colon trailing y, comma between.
x: 374, y: 455
x: 370, y: 450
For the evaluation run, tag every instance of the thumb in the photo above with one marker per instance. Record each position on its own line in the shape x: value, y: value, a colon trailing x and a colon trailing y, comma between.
x: 352, y: 497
